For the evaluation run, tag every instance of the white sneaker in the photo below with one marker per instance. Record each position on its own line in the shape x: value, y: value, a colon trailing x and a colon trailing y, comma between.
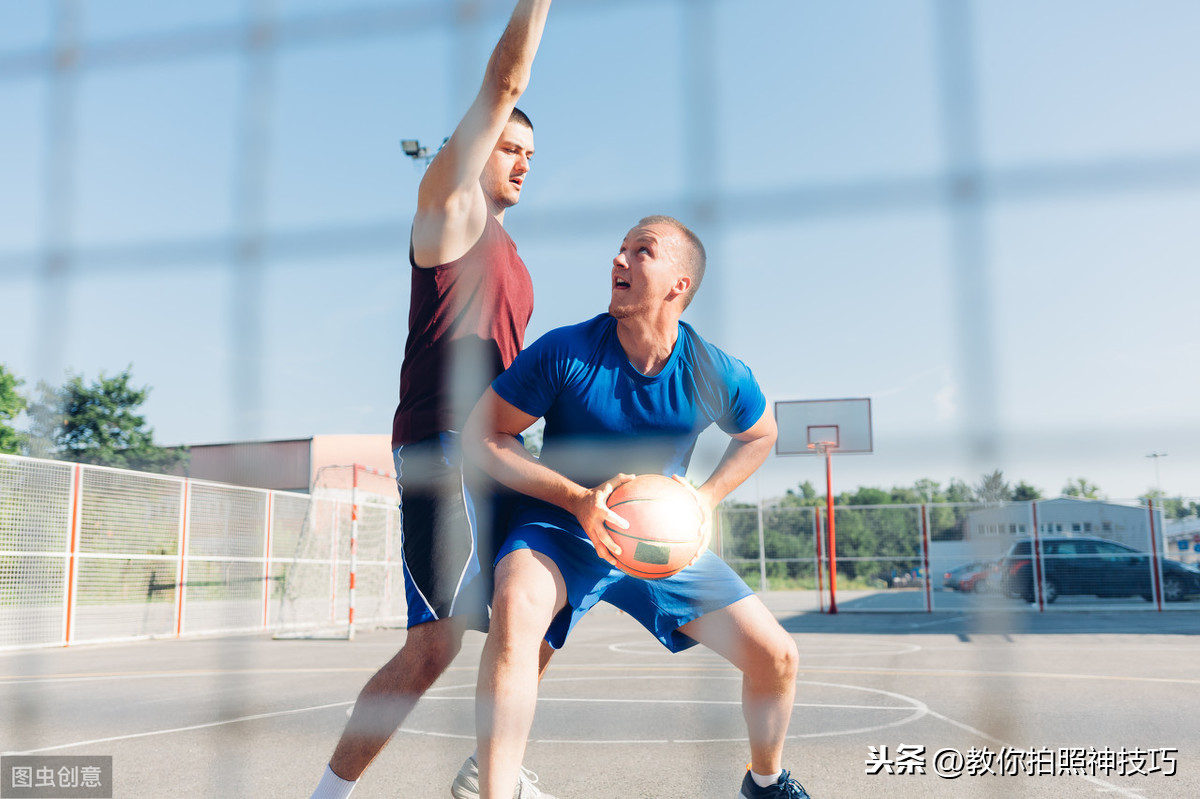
x: 466, y: 784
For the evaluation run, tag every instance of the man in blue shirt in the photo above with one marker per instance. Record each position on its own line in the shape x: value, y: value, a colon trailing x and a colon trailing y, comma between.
x: 626, y: 392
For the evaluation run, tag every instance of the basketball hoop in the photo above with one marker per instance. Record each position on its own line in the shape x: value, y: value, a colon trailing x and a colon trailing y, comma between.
x: 823, y: 427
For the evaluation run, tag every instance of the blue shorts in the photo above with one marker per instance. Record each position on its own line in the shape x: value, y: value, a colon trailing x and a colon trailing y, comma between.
x: 447, y: 532
x: 661, y: 606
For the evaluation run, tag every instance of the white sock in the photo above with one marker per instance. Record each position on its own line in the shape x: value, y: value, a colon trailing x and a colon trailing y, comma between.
x: 767, y: 781
x: 332, y: 786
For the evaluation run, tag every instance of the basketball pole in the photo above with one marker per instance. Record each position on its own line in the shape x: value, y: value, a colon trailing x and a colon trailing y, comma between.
x: 820, y: 558
x: 827, y: 448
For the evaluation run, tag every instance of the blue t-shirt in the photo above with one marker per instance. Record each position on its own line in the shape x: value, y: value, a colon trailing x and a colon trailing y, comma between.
x: 604, y: 417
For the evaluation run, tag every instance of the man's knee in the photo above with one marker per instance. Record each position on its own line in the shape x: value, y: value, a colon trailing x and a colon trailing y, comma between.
x: 525, y: 595
x: 777, y: 658
x: 515, y: 607
x: 428, y: 650
x: 787, y: 657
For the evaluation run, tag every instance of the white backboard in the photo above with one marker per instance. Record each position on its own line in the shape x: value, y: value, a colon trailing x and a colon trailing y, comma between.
x: 844, y: 423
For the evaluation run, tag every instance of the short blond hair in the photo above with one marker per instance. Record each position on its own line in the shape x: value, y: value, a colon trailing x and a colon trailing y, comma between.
x: 695, y: 257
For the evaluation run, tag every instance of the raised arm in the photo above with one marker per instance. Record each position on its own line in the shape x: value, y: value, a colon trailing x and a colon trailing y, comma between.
x: 451, y: 205
x: 490, y: 439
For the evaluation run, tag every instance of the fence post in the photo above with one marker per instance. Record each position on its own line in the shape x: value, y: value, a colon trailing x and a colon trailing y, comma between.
x: 267, y: 559
x: 72, y: 556
x: 1036, y: 576
x: 335, y: 528
x: 353, y: 546
x: 925, y: 554
x: 181, y: 571
x: 1156, y: 573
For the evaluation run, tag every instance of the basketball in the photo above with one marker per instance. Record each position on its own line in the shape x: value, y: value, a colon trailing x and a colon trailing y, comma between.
x: 664, y: 526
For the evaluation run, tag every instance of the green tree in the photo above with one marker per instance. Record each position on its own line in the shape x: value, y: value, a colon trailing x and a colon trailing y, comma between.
x: 737, y: 525
x: 951, y: 522
x: 945, y: 523
x: 1079, y: 487
x: 805, y: 497
x: 928, y: 490
x: 99, y: 423
x: 876, y: 541
x: 906, y: 495
x: 1172, y: 507
x: 958, y: 491
x: 1025, y: 493
x: 11, y: 406
x: 944, y: 519
x: 865, y: 495
x: 992, y: 488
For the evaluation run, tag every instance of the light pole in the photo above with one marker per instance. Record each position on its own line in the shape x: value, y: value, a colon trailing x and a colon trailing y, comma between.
x: 1157, y: 480
x: 413, y: 149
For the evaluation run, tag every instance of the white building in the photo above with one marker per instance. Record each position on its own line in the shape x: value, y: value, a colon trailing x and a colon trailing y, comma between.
x: 989, y: 532
x: 1127, y: 524
x: 1183, y: 539
x: 321, y: 463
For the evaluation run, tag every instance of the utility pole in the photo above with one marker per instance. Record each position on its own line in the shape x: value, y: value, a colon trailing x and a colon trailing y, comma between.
x: 1157, y: 480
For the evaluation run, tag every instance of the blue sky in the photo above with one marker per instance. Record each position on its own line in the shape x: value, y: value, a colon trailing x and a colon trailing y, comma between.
x: 1091, y: 294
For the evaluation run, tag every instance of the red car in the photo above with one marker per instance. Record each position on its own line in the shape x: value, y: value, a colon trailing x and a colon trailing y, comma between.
x: 968, y: 577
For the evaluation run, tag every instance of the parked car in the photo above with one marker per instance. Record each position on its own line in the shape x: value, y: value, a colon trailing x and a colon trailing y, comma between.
x: 983, y: 580
x: 966, y: 576
x: 1093, y: 566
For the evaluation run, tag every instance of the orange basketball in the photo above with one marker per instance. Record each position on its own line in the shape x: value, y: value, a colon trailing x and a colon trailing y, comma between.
x: 664, y: 526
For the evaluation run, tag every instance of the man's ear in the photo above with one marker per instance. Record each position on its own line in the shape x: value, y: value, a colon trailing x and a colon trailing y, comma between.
x: 682, y: 285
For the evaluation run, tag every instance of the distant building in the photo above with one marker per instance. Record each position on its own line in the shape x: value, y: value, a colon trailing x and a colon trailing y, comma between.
x: 320, y: 463
x: 1128, y: 524
x: 1183, y: 539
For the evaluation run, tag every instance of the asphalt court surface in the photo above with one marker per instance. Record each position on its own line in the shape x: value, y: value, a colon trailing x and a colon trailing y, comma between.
x: 1111, y: 693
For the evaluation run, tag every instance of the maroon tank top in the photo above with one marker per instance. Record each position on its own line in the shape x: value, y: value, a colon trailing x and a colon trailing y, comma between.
x: 466, y: 323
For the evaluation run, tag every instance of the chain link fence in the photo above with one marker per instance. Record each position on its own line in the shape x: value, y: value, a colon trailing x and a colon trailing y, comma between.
x: 1057, y: 554
x: 90, y: 554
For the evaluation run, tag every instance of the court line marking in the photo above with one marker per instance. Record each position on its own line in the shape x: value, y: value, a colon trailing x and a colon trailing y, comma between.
x: 917, y: 707
x: 189, y: 728
x: 880, y: 670
x: 865, y: 647
x: 1108, y: 787
x: 921, y: 709
x: 137, y: 675
x: 1018, y: 674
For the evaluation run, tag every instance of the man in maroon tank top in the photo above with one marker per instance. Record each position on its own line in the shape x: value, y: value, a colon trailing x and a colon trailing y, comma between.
x: 471, y: 300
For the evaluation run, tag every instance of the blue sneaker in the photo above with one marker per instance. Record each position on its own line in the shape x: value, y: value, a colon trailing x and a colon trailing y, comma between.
x: 786, y: 788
